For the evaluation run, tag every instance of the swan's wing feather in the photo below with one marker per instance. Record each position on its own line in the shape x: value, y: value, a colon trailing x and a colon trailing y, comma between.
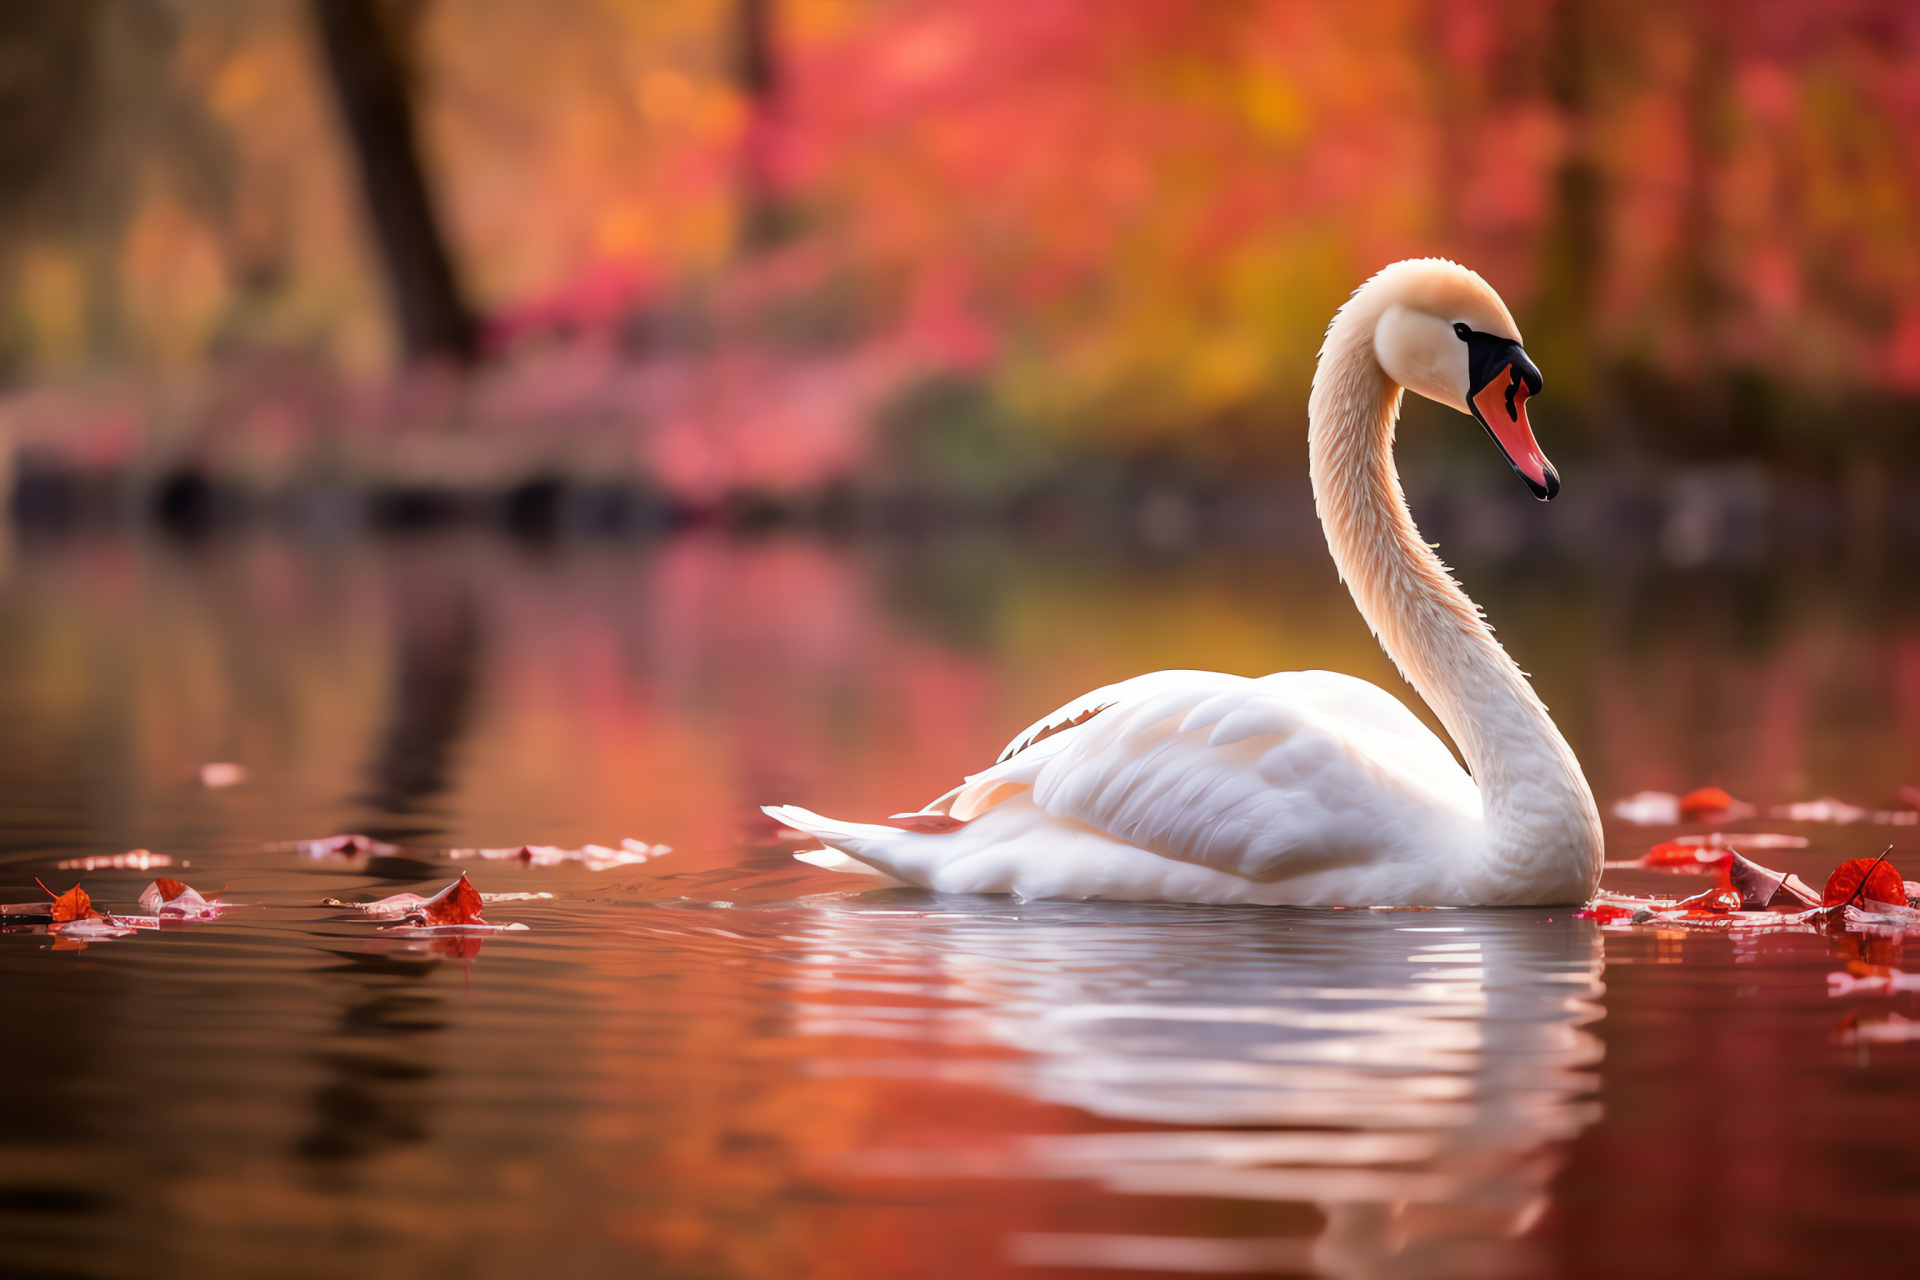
x: 1266, y: 778
x: 1052, y: 733
x: 1088, y: 705
x: 1364, y: 706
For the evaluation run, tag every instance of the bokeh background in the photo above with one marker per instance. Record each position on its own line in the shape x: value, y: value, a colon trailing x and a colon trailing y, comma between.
x: 488, y: 422
x: 628, y: 262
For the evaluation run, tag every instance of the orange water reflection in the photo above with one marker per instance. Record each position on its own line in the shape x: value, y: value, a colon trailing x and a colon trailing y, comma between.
x: 725, y: 1063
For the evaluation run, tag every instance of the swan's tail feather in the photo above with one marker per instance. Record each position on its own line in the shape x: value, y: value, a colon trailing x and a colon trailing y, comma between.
x: 833, y: 860
x: 857, y: 847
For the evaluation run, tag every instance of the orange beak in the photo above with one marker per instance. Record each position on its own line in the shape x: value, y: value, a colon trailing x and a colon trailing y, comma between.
x: 1500, y: 377
x: 1501, y: 406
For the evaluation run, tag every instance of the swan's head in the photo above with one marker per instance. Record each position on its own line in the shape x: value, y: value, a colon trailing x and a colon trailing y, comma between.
x: 1443, y: 332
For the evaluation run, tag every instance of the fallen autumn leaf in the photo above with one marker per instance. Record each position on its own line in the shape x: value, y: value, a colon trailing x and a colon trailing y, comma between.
x: 457, y: 906
x: 167, y: 897
x: 72, y: 905
x: 344, y: 846
x: 594, y: 857
x: 1871, y: 879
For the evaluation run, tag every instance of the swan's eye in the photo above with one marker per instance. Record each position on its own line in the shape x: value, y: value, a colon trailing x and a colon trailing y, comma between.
x: 1462, y: 330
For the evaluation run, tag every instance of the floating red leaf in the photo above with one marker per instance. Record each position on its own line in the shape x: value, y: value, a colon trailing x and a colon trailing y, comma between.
x: 72, y: 905
x: 1708, y: 802
x: 458, y: 903
x: 1857, y: 879
x: 1684, y: 854
x: 457, y: 906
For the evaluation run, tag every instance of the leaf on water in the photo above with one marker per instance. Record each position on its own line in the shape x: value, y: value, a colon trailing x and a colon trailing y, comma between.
x: 1714, y: 851
x: 594, y: 857
x: 347, y: 846
x: 458, y: 906
x: 1705, y: 800
x: 396, y: 907
x: 1864, y: 880
x: 1761, y: 887
x: 1685, y: 855
x: 72, y: 905
x: 76, y: 923
x: 458, y: 903
x: 169, y: 898
x: 1713, y: 804
x: 1752, y: 896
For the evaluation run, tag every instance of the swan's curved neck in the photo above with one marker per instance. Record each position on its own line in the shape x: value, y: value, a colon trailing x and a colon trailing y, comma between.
x: 1541, y: 823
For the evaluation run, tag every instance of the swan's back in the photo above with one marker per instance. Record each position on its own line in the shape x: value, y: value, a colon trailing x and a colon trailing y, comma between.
x: 1257, y: 777
x: 1304, y: 786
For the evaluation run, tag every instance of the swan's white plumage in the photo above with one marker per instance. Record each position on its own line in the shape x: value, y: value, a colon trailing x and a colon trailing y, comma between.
x: 1195, y: 786
x: 1304, y: 787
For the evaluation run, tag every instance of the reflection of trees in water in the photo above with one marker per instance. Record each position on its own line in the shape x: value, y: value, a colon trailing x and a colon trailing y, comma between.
x: 436, y: 674
x: 375, y: 1093
x: 782, y: 644
x: 1410, y: 1075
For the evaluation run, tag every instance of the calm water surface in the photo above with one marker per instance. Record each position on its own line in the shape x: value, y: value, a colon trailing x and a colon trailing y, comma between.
x: 723, y: 1063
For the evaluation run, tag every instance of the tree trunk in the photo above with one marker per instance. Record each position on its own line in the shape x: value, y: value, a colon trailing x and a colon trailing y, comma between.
x: 756, y: 72
x: 369, y: 78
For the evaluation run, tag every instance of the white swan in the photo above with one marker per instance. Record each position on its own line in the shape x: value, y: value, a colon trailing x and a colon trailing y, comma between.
x: 1306, y: 787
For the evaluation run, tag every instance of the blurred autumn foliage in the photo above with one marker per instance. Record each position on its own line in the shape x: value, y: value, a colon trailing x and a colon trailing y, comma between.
x: 744, y: 231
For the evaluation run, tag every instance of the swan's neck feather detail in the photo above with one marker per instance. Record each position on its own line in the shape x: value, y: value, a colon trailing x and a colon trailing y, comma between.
x: 1543, y: 840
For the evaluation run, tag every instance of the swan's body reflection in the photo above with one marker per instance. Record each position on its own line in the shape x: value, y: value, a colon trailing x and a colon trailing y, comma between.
x: 1409, y: 1073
